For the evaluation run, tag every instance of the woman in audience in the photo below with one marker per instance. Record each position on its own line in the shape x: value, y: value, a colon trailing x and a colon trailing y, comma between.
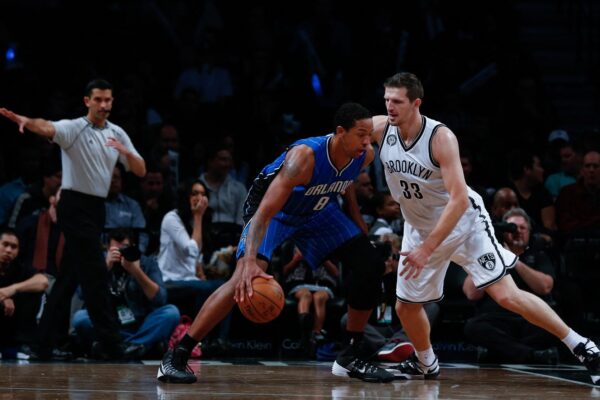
x: 181, y: 245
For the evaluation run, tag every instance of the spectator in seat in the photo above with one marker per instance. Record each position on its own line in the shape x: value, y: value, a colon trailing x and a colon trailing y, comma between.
x: 181, y: 243
x: 241, y: 169
x: 578, y: 204
x: 311, y: 289
x: 166, y: 155
x: 155, y: 202
x: 468, y: 164
x: 28, y: 165
x: 364, y: 195
x: 226, y: 194
x: 38, y: 194
x: 21, y: 290
x: 42, y: 243
x: 139, y: 296
x: 504, y: 199
x: 41, y: 249
x: 527, y: 177
x: 389, y: 217
x: 570, y: 167
x: 121, y: 210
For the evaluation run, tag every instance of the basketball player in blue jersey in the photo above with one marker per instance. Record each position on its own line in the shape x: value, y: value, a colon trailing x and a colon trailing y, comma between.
x: 295, y: 197
x: 445, y: 221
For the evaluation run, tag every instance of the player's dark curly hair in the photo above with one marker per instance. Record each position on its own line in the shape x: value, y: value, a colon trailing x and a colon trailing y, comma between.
x: 348, y: 113
x: 414, y: 87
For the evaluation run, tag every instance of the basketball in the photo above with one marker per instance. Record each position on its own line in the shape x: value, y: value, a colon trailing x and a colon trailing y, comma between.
x: 266, y: 302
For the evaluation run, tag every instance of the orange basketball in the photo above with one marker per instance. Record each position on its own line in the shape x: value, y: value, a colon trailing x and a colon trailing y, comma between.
x: 266, y: 303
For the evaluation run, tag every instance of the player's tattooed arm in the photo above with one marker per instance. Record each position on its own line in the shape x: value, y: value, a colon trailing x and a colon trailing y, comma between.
x: 293, y: 164
x: 297, y: 167
x: 296, y: 170
x: 256, y: 233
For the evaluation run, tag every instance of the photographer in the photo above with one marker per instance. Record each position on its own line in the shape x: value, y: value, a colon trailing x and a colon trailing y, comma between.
x: 508, y: 336
x: 505, y: 199
x: 139, y: 297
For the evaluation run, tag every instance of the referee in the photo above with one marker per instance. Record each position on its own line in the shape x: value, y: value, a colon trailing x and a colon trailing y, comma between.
x: 90, y: 147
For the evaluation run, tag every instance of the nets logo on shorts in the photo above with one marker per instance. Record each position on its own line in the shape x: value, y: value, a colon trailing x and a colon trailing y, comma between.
x: 487, y: 261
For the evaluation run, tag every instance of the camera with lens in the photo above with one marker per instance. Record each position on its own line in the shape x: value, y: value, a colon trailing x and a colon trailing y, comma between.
x: 500, y: 228
x: 130, y: 253
x: 504, y: 227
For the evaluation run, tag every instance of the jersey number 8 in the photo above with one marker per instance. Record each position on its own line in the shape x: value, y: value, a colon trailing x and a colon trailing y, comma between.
x: 321, y: 203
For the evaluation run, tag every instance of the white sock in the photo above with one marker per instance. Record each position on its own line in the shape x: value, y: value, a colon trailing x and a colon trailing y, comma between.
x: 427, y: 357
x: 573, y: 339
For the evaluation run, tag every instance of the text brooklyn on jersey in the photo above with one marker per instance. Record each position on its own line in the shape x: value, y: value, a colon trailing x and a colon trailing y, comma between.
x: 408, y: 167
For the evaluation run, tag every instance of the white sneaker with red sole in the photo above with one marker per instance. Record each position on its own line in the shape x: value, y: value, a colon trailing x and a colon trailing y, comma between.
x: 395, y: 352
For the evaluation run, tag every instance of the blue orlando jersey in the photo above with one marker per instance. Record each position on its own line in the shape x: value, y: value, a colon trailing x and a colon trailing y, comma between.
x: 322, y: 190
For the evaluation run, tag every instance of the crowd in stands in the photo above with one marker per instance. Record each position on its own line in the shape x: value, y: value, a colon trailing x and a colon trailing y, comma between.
x: 207, y: 110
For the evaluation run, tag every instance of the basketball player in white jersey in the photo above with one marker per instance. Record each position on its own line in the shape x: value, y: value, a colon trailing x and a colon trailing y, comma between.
x: 446, y: 221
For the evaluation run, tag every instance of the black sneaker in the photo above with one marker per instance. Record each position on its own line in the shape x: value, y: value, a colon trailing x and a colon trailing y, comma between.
x: 174, y: 367
x: 360, y: 369
x: 590, y: 359
x: 414, y: 369
x: 350, y: 362
x: 134, y: 351
x: 44, y: 354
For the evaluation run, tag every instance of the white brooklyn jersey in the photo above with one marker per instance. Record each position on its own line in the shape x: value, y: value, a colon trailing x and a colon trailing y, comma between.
x: 415, y: 180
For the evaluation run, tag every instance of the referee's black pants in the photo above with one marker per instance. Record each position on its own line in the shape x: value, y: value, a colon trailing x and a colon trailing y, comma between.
x: 81, y: 219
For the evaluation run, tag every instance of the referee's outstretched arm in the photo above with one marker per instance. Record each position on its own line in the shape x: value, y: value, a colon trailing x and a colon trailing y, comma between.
x: 36, y: 125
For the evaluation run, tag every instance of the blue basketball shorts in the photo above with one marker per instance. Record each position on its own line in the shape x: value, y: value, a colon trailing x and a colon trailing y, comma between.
x: 316, y: 236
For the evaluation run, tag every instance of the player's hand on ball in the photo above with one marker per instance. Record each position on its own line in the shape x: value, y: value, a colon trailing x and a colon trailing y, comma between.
x: 250, y: 270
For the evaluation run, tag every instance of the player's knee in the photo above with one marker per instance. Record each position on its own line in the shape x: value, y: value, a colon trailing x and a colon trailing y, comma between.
x: 407, y: 309
x: 303, y: 295
x: 509, y: 300
x: 320, y: 297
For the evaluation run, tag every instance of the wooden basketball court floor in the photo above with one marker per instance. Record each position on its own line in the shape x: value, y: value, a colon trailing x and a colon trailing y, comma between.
x: 259, y: 379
